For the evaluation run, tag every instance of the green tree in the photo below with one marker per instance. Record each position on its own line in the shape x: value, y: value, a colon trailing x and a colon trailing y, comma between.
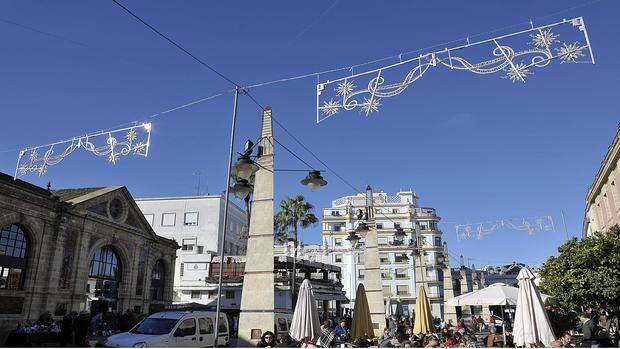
x: 586, y: 273
x: 294, y: 213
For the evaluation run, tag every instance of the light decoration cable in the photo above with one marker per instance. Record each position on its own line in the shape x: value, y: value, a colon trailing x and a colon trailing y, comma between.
x: 529, y: 224
x: 114, y: 144
x: 365, y: 91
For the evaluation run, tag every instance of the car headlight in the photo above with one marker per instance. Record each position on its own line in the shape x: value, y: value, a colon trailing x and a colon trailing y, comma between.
x: 140, y: 345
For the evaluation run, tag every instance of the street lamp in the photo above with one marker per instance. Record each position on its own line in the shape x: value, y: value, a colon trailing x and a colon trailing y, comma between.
x: 245, y: 167
x: 314, y: 180
x: 353, y: 239
x: 399, y: 235
x: 242, y: 189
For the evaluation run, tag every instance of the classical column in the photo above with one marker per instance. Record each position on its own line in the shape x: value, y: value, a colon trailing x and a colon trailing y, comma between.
x: 257, y: 299
x: 449, y: 312
x: 372, y: 277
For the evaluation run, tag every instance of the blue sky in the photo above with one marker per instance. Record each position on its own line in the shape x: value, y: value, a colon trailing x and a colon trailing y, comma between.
x: 475, y: 147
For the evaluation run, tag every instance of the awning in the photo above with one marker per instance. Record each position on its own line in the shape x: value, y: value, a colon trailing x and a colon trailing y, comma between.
x: 331, y: 297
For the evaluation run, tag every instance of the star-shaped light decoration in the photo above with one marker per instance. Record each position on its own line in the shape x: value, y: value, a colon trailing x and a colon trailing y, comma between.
x: 139, y: 148
x: 570, y: 52
x: 113, y: 157
x: 518, y: 72
x: 34, y: 156
x: 544, y: 38
x: 370, y: 106
x: 330, y: 108
x: 344, y: 88
x: 131, y: 136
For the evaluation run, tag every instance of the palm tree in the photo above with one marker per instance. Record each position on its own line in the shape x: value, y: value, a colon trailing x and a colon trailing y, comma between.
x: 293, y: 213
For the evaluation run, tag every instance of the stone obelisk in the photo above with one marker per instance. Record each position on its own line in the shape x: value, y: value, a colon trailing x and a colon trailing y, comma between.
x: 372, y: 277
x: 466, y: 309
x: 257, y: 299
x: 449, y: 312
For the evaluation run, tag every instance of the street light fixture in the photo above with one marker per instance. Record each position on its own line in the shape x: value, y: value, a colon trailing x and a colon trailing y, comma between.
x: 362, y: 228
x: 353, y: 239
x: 242, y: 189
x: 245, y: 167
x: 399, y: 235
x: 314, y: 180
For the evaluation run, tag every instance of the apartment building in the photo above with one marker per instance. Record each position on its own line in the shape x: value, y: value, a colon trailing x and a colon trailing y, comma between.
x: 397, y: 257
x: 197, y: 224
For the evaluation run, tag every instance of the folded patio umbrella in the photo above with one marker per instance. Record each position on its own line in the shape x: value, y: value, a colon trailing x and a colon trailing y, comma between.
x: 532, y: 326
x: 423, y: 318
x: 305, y: 323
x: 362, y: 324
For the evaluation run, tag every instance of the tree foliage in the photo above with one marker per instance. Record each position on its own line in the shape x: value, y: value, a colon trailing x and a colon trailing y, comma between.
x: 586, y: 273
x: 294, y: 212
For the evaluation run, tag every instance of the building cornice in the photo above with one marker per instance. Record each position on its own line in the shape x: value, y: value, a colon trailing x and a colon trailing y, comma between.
x: 607, y: 165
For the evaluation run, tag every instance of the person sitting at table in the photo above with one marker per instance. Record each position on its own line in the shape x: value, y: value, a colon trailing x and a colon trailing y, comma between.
x: 494, y: 340
x: 565, y: 341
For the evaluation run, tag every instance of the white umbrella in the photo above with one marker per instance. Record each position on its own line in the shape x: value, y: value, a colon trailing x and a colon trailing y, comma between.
x: 388, y: 308
x: 305, y: 323
x: 495, y: 294
x: 532, y: 327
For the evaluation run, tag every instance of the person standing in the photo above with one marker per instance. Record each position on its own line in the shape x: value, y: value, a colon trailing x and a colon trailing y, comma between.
x: 589, y: 330
x: 492, y: 321
x: 66, y: 331
x: 81, y: 324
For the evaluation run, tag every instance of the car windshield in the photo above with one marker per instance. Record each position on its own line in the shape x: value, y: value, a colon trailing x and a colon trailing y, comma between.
x: 155, y: 326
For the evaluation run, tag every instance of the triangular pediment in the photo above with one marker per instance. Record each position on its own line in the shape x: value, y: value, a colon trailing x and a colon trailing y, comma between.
x: 116, y: 205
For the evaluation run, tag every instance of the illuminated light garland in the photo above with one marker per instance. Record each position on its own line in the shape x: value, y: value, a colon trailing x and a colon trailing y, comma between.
x: 343, y: 94
x: 134, y: 140
x: 531, y: 225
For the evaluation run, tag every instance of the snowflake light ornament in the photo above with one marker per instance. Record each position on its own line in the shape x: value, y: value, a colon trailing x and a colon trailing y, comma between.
x: 544, y: 38
x: 570, y: 52
x: 131, y: 136
x: 330, y: 108
x: 370, y: 105
x: 519, y: 72
x: 344, y: 88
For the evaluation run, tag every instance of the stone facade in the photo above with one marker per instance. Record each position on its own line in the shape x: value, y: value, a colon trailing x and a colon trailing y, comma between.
x: 63, y: 230
x: 603, y: 197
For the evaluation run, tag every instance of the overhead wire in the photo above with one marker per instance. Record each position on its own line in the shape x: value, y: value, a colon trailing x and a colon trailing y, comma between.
x: 165, y: 37
x: 406, y: 53
x: 134, y: 122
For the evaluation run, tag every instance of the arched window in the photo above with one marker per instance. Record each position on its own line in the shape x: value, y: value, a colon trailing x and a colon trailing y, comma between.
x: 157, y: 281
x: 13, y: 252
x: 105, y: 264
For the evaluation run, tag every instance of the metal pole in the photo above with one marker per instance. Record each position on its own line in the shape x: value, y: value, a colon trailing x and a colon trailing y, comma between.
x: 564, y: 223
x: 504, y: 325
x: 294, y: 273
x: 230, y: 157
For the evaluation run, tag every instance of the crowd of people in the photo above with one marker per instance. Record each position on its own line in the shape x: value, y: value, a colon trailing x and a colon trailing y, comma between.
x: 74, y: 330
x: 397, y: 334
x: 594, y: 329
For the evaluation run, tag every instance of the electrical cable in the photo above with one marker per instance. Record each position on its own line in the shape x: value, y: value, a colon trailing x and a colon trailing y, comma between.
x: 135, y: 122
x: 175, y: 44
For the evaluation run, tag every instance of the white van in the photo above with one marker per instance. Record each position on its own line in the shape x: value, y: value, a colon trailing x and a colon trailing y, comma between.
x: 174, y: 329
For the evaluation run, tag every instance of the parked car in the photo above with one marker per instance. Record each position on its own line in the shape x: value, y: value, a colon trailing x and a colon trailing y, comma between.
x: 174, y: 329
